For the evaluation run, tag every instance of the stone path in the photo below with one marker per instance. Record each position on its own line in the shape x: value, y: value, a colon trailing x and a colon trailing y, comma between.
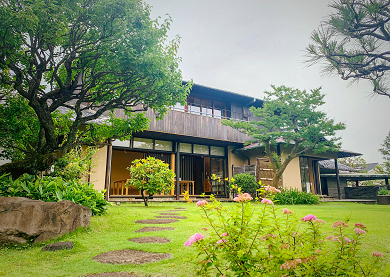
x: 150, y: 240
x: 132, y: 256
x: 153, y: 229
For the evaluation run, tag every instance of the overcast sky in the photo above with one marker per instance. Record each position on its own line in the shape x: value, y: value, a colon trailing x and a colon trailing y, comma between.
x: 245, y: 46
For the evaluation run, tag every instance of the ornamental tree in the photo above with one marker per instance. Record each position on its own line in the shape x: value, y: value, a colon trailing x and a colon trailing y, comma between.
x: 354, y: 42
x: 150, y: 175
x: 289, y: 117
x: 64, y: 65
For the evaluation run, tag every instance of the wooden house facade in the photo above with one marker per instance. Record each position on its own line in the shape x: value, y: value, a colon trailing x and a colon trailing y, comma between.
x: 196, y: 145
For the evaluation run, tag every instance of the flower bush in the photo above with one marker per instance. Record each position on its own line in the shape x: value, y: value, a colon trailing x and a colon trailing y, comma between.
x: 254, y: 238
x: 151, y: 176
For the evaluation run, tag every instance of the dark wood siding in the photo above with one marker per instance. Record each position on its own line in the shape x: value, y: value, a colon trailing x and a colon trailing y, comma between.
x: 182, y: 123
x: 187, y: 124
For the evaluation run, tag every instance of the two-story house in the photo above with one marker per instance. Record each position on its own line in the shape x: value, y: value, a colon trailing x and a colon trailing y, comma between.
x: 194, y: 142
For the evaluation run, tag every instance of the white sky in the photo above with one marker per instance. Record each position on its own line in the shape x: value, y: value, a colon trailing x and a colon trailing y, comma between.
x: 245, y: 46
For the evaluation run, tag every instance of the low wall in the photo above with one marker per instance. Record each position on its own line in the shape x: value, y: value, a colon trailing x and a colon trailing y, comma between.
x: 367, y: 192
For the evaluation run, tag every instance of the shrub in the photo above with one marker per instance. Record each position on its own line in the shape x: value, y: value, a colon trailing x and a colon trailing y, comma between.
x: 75, y: 165
x: 257, y: 239
x: 247, y: 183
x: 383, y: 191
x: 295, y: 197
x: 150, y: 175
x: 54, y: 189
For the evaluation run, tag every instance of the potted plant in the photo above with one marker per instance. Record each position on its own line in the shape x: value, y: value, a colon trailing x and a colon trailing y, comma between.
x: 383, y: 197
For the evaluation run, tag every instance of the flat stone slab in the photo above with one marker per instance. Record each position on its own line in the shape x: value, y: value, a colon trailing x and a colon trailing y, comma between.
x: 150, y: 240
x: 156, y: 221
x: 171, y: 216
x: 130, y: 256
x: 153, y: 229
x: 58, y: 246
x: 169, y: 213
x: 112, y: 274
x: 175, y: 211
x: 180, y: 208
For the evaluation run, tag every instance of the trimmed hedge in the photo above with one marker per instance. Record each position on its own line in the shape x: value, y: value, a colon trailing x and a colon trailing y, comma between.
x: 295, y: 197
x: 54, y: 189
x: 247, y: 183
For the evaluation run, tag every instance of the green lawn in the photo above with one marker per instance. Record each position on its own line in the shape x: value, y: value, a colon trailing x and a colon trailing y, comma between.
x: 112, y: 231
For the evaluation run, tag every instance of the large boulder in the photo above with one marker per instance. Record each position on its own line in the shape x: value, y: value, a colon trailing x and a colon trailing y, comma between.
x: 23, y: 219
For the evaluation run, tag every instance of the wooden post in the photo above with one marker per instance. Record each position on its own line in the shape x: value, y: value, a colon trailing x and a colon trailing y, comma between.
x: 357, y: 183
x: 387, y: 183
x: 107, y: 181
x: 226, y: 169
x: 177, y: 170
x: 337, y: 178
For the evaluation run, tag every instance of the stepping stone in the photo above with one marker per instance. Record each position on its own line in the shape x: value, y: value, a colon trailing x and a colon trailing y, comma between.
x: 171, y: 216
x: 180, y: 208
x: 130, y: 256
x: 175, y: 211
x: 150, y: 240
x: 156, y: 221
x: 58, y: 246
x: 153, y: 229
x: 112, y: 274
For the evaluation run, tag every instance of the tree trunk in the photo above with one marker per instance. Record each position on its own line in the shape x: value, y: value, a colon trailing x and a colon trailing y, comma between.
x: 30, y: 165
x: 144, y: 198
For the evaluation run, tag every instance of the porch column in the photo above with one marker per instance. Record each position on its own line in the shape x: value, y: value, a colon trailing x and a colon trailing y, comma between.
x: 336, y: 167
x: 226, y: 169
x: 177, y: 170
x: 107, y: 181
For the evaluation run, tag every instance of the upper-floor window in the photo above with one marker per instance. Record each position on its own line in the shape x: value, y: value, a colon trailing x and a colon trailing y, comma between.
x: 211, y: 108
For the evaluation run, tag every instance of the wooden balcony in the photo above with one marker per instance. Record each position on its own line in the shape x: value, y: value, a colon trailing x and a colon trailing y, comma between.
x: 194, y: 125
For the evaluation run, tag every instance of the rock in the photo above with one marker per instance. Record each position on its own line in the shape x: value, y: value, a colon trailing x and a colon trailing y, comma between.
x: 23, y: 219
x: 58, y: 246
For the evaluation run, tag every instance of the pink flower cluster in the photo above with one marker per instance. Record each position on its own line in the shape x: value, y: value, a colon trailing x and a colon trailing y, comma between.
x: 193, y: 239
x: 377, y: 254
x: 224, y: 235
x: 360, y: 225
x: 359, y: 231
x: 243, y: 197
x: 221, y: 241
x: 309, y: 217
x: 287, y: 211
x: 267, y: 201
x: 201, y: 203
x: 339, y: 223
x: 271, y: 189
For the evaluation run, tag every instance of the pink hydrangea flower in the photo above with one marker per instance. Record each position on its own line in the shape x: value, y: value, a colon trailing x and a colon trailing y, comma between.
x: 267, y: 201
x: 329, y: 237
x: 360, y: 225
x: 193, y: 239
x: 271, y: 189
x: 377, y: 254
x: 221, y: 241
x: 201, y: 203
x: 224, y: 235
x: 309, y: 217
x: 243, y: 197
x: 359, y: 231
x: 287, y: 211
x: 347, y: 240
x: 339, y: 223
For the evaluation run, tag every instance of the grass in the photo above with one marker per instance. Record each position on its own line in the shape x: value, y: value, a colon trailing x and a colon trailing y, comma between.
x: 112, y: 231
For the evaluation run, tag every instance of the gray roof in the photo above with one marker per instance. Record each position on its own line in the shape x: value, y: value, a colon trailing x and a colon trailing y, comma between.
x: 370, y: 166
x: 329, y: 164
